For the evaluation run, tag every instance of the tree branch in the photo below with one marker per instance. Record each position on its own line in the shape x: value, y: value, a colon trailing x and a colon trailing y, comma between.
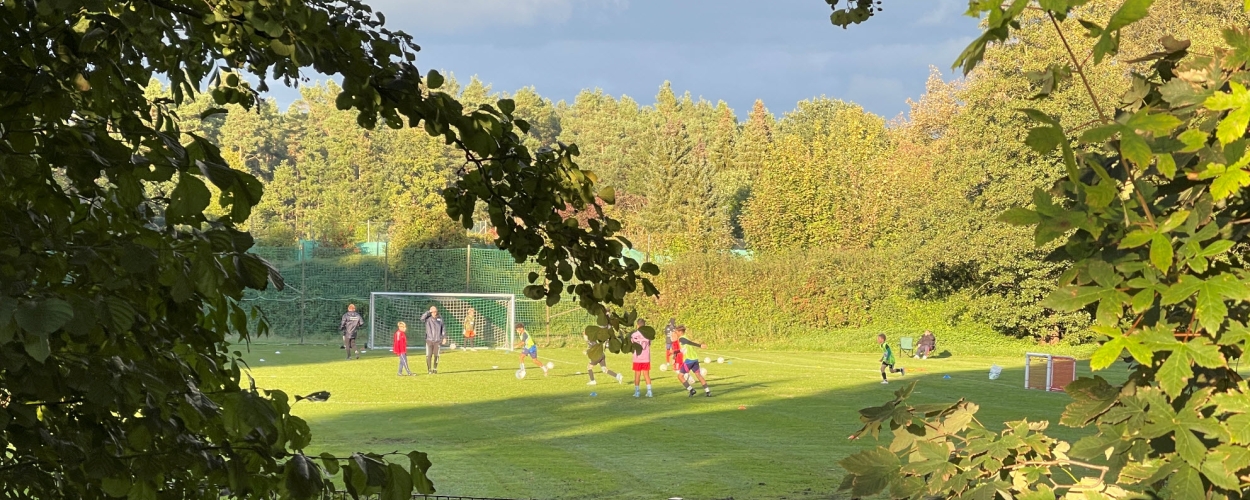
x: 1079, y: 70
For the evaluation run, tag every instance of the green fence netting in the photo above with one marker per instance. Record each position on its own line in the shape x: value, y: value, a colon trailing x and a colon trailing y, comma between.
x: 321, y: 282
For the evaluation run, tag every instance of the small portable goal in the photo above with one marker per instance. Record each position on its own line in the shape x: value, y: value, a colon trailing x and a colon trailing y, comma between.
x: 1048, y: 372
x: 471, y: 320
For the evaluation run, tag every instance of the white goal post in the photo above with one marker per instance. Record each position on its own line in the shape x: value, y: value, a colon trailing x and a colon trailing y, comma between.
x: 492, y: 316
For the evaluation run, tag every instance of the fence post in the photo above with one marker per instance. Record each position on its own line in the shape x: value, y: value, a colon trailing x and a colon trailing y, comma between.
x: 302, y: 287
x: 386, y: 265
x: 468, y: 268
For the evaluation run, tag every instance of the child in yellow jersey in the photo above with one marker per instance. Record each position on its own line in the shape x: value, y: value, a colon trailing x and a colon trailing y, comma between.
x: 528, y: 348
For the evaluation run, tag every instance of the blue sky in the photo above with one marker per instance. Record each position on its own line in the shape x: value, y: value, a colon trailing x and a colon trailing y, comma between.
x: 781, y: 51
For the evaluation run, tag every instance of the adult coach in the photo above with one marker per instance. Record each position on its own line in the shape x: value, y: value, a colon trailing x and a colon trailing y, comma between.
x: 349, y: 325
x: 435, y: 336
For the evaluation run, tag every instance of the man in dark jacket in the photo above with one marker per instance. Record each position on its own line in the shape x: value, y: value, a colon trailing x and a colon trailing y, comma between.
x: 350, y: 325
x: 435, y: 336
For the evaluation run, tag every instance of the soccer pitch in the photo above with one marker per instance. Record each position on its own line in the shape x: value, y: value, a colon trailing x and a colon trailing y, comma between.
x: 492, y: 435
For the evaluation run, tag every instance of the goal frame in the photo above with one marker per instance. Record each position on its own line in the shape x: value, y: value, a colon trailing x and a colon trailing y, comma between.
x: 1050, y: 370
x: 510, y: 298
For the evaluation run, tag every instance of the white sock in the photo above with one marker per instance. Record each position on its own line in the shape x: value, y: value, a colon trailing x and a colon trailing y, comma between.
x: 648, y: 387
x: 522, y: 365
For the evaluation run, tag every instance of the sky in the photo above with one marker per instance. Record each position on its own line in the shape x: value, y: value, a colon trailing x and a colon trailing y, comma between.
x: 780, y: 51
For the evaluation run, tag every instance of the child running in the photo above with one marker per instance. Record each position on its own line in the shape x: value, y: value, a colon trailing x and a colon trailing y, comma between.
x: 594, y: 349
x: 401, y: 347
x: 642, y: 358
x: 887, y: 359
x: 686, y: 359
x: 529, y: 348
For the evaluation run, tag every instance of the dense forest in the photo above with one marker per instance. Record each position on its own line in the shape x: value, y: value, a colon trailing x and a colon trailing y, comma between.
x: 850, y: 219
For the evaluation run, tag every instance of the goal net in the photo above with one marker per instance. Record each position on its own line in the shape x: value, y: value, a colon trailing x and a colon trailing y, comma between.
x: 471, y: 320
x: 1048, y: 373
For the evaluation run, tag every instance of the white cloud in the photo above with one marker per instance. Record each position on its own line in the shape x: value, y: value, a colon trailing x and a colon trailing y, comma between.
x: 451, y: 15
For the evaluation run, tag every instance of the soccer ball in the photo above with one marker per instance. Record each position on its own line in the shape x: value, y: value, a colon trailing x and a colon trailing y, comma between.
x: 550, y: 365
x: 494, y: 367
x: 720, y: 360
x: 703, y: 371
x: 707, y: 360
x: 262, y: 359
x: 277, y: 352
x: 453, y: 347
x: 664, y: 367
x: 520, y: 374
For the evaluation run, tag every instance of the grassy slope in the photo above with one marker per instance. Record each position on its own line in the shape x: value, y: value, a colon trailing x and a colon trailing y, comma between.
x: 490, y: 434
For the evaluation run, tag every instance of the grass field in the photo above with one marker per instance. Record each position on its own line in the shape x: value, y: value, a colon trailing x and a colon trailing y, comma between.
x: 490, y: 434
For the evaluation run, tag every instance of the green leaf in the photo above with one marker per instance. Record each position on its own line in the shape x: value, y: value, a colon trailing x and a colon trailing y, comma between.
x: 1218, y: 468
x: 420, y: 466
x: 1166, y: 164
x: 1229, y: 182
x: 302, y: 477
x: 1174, y: 221
x: 507, y: 106
x: 433, y: 80
x: 1185, y: 484
x: 1134, y: 148
x: 1100, y: 195
x: 1161, y: 252
x: 330, y: 463
x: 1102, y: 133
x: 42, y: 317
x: 280, y: 48
x: 1155, y: 123
x: 1175, y: 373
x: 1233, y: 126
x: 1194, y: 140
x: 115, y: 487
x: 1090, y: 398
x: 608, y: 195
x: 1239, y: 428
x: 1136, y: 238
x: 398, y: 484
x: 1018, y: 216
x: 1044, y: 139
x: 1107, y: 354
x: 873, y: 469
x: 1130, y: 12
x: 188, y: 201
x: 1071, y: 298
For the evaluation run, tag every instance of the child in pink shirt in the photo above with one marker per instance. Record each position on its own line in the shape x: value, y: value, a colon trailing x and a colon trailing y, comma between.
x: 642, y: 358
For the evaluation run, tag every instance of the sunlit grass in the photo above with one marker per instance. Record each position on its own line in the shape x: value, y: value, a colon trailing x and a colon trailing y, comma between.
x: 490, y: 434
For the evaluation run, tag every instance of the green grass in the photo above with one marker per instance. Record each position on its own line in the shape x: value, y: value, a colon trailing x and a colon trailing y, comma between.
x: 492, y: 435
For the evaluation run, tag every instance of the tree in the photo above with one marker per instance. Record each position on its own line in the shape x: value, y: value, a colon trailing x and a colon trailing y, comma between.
x: 1149, y: 213
x: 118, y: 295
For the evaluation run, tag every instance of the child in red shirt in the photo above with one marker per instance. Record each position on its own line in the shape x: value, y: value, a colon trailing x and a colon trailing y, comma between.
x: 401, y: 348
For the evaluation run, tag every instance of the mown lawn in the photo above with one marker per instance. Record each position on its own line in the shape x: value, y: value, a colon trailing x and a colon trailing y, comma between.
x: 492, y: 435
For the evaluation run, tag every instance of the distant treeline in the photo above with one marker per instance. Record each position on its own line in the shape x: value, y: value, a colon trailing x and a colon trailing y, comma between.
x: 852, y: 218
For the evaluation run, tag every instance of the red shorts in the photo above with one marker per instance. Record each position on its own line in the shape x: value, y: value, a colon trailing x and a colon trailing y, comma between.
x: 642, y: 367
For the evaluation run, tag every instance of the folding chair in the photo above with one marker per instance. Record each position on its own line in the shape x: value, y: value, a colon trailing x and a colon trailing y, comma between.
x: 906, y: 346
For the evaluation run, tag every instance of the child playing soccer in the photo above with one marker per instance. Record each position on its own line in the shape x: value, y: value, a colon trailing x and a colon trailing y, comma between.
x: 594, y: 349
x: 528, y: 348
x: 887, y: 359
x: 642, y: 358
x: 401, y: 347
x: 469, y: 331
x: 686, y: 360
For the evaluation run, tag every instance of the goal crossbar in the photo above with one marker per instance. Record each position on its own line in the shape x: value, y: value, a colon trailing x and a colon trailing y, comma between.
x: 471, y: 319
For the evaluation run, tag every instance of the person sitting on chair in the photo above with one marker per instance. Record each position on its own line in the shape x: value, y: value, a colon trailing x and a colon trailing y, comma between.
x: 926, y: 346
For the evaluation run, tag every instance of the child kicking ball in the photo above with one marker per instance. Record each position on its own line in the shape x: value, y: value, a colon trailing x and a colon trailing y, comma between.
x: 887, y: 359
x: 686, y: 360
x: 528, y: 348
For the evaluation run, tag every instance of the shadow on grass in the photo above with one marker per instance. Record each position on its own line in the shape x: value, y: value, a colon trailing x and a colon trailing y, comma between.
x: 755, y: 439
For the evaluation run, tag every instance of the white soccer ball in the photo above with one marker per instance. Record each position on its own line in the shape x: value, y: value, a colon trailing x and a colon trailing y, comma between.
x: 720, y: 360
x: 703, y: 371
x: 453, y: 347
x: 550, y: 365
x: 664, y: 367
x: 277, y: 352
x: 520, y: 374
x: 494, y: 367
x: 262, y: 360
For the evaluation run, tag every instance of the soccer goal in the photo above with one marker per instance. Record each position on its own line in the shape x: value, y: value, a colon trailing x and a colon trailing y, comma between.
x: 471, y: 320
x: 1047, y: 372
